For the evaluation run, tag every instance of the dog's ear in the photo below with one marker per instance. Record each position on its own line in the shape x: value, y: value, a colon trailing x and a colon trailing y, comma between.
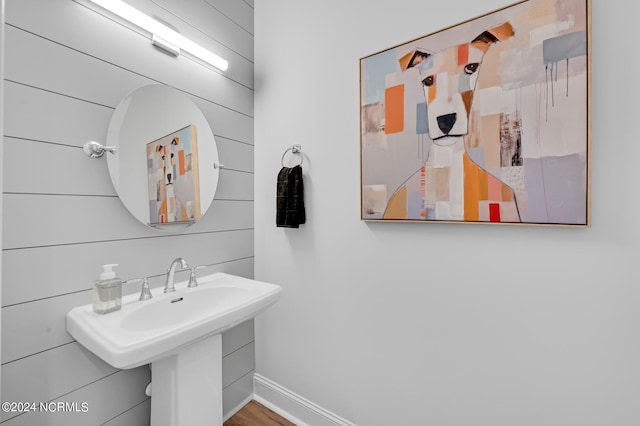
x: 499, y: 33
x: 413, y: 58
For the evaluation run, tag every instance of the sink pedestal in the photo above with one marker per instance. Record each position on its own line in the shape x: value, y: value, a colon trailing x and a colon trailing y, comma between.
x: 186, y: 388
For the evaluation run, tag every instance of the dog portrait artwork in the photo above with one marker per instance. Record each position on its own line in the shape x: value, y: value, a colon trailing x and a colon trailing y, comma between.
x: 486, y: 121
x: 173, y: 182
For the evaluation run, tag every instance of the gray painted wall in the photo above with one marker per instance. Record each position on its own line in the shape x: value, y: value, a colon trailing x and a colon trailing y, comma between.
x: 434, y: 324
x: 67, y: 68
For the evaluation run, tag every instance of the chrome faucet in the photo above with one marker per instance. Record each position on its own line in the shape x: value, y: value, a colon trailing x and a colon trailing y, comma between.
x: 168, y: 285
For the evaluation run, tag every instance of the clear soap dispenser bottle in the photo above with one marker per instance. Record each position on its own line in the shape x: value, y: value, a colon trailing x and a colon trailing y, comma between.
x: 107, y: 291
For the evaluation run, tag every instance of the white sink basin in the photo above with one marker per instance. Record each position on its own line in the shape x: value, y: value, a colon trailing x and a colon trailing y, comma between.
x: 145, y: 331
x: 178, y: 333
x: 194, y: 306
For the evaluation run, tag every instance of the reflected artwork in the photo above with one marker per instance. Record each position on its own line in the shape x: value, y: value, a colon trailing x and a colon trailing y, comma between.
x: 172, y: 169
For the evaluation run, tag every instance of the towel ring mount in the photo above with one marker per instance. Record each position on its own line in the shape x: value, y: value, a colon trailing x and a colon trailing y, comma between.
x: 295, y: 149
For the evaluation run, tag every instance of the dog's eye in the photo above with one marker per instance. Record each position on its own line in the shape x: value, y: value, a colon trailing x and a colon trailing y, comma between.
x: 471, y: 68
x: 428, y: 81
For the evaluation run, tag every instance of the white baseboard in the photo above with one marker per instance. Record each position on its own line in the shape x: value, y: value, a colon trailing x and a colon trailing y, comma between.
x: 237, y: 408
x: 292, y: 406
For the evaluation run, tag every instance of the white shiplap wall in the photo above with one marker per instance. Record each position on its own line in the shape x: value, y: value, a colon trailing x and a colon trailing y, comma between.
x: 67, y: 68
x: 1, y: 144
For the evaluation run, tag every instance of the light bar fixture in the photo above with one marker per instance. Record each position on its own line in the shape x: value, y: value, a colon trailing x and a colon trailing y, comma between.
x: 161, y: 31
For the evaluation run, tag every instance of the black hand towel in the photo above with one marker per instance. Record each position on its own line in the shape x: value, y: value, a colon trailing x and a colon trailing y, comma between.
x: 290, y: 198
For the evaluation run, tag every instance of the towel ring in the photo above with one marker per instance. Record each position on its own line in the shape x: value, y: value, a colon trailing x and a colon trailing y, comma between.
x: 295, y: 149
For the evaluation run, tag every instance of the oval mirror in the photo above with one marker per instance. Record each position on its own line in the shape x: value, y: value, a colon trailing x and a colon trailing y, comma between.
x: 165, y: 168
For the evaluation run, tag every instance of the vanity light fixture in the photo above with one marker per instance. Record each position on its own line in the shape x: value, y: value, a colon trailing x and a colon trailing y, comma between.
x: 161, y: 34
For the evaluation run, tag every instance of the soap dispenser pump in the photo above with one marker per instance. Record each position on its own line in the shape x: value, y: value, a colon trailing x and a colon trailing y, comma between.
x: 107, y: 291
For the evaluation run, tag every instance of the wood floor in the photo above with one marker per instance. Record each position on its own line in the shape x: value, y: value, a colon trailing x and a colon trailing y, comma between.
x: 256, y: 414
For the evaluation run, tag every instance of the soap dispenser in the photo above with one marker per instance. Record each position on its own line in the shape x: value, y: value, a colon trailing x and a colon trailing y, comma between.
x: 107, y: 291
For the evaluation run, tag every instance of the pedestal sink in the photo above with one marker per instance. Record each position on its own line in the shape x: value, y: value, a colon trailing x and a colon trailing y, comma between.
x: 179, y: 334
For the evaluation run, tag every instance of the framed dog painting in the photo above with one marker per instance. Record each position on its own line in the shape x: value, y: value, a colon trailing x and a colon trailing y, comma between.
x: 172, y: 171
x: 483, y: 122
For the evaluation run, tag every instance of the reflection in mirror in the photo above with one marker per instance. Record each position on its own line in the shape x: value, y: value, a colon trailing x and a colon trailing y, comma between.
x: 165, y: 168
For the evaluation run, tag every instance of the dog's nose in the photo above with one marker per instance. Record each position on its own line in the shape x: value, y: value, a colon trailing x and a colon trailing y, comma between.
x: 446, y: 122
